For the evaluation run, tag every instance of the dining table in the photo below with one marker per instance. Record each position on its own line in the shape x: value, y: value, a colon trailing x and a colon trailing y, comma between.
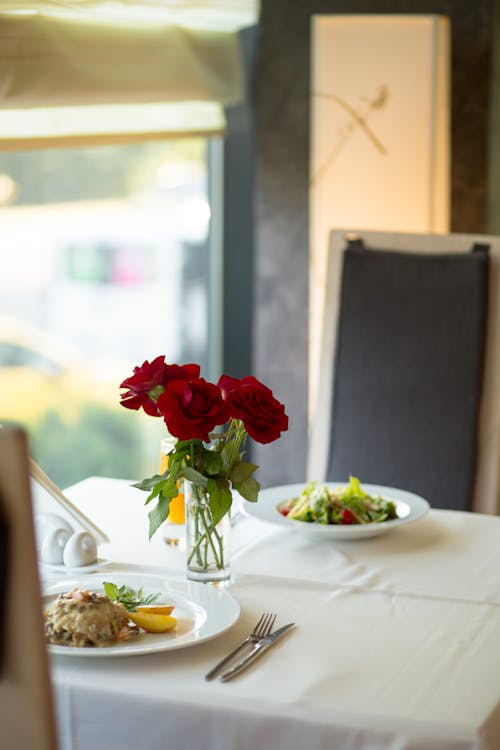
x: 395, y: 643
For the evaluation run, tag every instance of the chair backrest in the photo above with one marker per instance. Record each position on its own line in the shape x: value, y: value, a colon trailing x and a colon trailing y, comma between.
x: 423, y: 298
x: 26, y: 708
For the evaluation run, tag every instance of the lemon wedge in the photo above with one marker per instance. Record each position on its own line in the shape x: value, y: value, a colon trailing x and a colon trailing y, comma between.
x: 156, y: 609
x: 152, y: 622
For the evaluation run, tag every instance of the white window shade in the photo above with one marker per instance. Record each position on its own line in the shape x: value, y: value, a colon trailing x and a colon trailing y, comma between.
x: 46, y: 127
x: 46, y: 60
x: 81, y: 60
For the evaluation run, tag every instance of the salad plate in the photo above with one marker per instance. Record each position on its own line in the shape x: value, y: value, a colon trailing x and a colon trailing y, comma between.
x: 409, y: 508
x: 202, y: 612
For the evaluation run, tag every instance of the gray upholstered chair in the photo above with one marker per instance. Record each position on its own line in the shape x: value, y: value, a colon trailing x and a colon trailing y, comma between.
x: 409, y: 384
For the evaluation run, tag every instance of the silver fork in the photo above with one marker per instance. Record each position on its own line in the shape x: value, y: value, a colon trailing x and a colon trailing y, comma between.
x: 262, y: 629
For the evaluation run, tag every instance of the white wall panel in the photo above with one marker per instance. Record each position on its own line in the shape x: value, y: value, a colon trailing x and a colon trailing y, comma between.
x: 380, y: 126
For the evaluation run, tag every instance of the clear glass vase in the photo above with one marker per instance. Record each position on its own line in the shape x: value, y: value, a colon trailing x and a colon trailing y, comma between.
x: 207, y: 545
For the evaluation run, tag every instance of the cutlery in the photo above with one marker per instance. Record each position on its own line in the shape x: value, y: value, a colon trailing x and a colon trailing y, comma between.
x: 262, y: 645
x: 262, y: 629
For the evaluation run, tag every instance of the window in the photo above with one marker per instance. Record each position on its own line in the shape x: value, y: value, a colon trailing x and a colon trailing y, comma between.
x: 107, y: 260
x: 110, y: 218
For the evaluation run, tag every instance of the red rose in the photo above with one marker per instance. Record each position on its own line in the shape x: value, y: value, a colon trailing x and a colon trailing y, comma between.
x: 149, y: 381
x: 226, y: 384
x: 191, y: 409
x: 251, y: 401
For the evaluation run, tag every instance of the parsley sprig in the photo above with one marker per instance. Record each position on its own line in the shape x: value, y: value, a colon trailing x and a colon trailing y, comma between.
x: 127, y: 596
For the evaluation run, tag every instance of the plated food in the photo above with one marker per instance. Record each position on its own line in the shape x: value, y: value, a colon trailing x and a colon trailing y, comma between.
x: 274, y: 502
x: 340, y: 505
x: 201, y: 613
x: 83, y: 618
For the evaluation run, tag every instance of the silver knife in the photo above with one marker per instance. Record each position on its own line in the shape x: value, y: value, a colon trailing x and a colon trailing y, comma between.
x: 225, y: 661
x: 257, y: 650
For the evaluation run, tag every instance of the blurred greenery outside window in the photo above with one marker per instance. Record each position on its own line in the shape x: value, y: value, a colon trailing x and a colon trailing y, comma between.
x: 107, y: 260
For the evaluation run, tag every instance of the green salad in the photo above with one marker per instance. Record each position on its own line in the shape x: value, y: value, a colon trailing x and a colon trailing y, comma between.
x: 351, y: 505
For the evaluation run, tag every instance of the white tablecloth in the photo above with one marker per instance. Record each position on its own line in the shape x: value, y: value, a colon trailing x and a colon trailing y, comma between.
x: 397, y: 644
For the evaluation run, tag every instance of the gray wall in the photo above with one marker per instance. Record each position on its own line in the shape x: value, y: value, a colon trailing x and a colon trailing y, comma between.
x: 282, y: 137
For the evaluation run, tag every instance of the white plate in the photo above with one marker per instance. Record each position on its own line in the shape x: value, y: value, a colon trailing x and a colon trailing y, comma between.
x: 409, y: 508
x: 101, y: 562
x: 202, y: 612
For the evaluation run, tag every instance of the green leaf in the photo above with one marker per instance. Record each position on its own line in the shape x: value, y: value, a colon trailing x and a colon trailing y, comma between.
x: 158, y: 515
x: 219, y: 498
x: 213, y: 462
x: 242, y: 471
x: 353, y: 489
x: 176, y: 464
x: 226, y: 455
x: 111, y: 590
x: 126, y: 596
x: 194, y: 476
x: 183, y: 447
x: 169, y: 489
x: 249, y: 489
x: 150, y: 482
x: 156, y: 491
x: 165, y: 489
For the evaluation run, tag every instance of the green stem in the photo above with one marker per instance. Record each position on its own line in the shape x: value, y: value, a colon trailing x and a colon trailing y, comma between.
x: 196, y: 547
x: 198, y: 535
x: 234, y: 439
x: 205, y: 537
x: 209, y: 530
x: 206, y: 541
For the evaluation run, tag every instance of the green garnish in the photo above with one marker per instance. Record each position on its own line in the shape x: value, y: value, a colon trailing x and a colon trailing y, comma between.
x: 128, y: 597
